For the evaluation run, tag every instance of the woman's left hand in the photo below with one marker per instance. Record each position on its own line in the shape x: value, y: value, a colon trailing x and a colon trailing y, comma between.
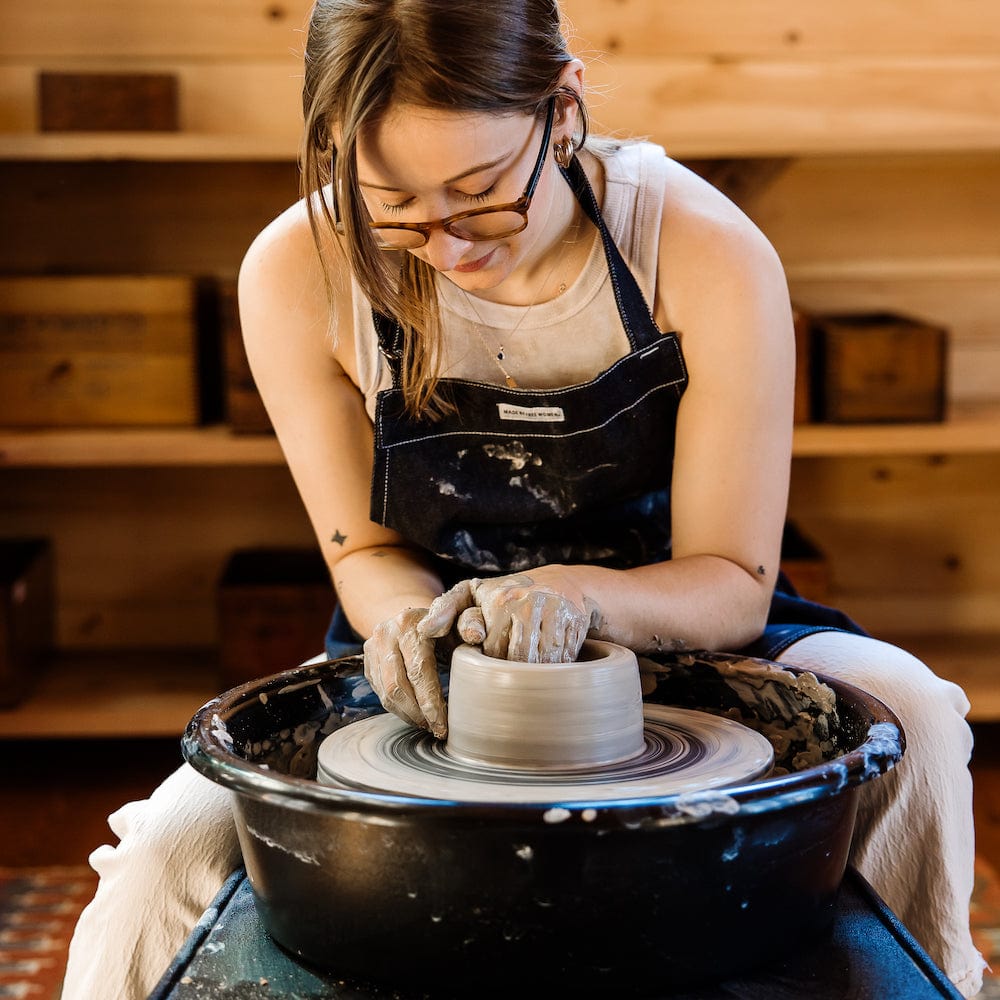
x: 513, y: 617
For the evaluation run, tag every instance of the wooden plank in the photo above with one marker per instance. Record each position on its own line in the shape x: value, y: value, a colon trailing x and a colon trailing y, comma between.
x: 235, y: 29
x: 975, y: 372
x: 704, y: 107
x: 180, y: 146
x: 208, y: 446
x: 183, y: 218
x: 969, y: 430
x: 694, y: 107
x: 917, y: 211
x: 139, y: 551
x: 777, y: 28
x: 960, y: 614
x: 911, y: 541
x: 228, y: 29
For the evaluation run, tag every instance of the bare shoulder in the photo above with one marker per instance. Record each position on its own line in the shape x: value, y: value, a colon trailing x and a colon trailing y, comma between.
x: 693, y: 209
x: 288, y: 292
x: 707, y: 241
x: 282, y: 254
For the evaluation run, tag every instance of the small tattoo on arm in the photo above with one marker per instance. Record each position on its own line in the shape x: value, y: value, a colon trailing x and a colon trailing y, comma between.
x: 761, y: 571
x: 338, y: 538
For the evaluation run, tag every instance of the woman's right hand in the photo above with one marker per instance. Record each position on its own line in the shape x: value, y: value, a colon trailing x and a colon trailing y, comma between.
x: 401, y: 667
x: 541, y: 618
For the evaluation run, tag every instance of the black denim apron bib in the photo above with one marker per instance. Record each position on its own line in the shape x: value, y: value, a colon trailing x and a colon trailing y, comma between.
x: 516, y: 478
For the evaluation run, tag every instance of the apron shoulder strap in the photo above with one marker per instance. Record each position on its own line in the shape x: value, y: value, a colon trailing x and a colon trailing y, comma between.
x: 636, y: 316
x: 390, y: 344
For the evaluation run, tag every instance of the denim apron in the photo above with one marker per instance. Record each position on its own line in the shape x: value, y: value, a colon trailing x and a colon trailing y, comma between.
x: 515, y: 478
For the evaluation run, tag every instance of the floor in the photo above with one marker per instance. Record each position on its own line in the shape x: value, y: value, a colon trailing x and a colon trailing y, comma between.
x: 986, y: 791
x: 61, y: 793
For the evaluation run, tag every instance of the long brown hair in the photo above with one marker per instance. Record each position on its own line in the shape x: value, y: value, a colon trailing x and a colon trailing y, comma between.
x: 502, y: 56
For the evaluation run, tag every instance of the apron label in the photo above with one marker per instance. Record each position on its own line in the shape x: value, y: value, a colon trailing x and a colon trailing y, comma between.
x: 544, y: 414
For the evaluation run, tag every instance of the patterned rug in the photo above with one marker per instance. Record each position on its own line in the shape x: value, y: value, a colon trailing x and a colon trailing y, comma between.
x: 38, y: 911
x: 39, y: 908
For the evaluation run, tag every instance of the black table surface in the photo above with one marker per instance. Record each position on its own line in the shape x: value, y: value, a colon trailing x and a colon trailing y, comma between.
x: 868, y: 955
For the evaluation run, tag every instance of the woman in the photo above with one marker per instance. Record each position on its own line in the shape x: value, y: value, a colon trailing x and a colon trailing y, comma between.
x: 532, y: 387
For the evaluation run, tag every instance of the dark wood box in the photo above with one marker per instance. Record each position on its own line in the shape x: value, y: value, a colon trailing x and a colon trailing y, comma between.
x: 805, y: 564
x: 244, y: 408
x: 274, y: 607
x: 27, y: 614
x: 879, y: 368
x: 108, y: 102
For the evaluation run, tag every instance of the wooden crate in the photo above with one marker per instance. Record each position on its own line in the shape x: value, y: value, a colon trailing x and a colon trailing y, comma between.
x: 803, y: 366
x: 244, y: 407
x: 274, y: 607
x: 27, y: 614
x: 107, y: 102
x: 99, y: 351
x: 879, y: 368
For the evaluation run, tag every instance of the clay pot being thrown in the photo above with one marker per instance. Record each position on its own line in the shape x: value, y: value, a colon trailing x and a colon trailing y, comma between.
x: 546, y: 715
x: 536, y: 732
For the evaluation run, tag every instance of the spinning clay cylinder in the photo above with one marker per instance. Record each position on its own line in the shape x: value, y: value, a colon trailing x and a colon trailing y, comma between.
x: 546, y: 715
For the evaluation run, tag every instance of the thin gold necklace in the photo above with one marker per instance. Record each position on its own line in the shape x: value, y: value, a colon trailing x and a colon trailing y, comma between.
x: 499, y: 355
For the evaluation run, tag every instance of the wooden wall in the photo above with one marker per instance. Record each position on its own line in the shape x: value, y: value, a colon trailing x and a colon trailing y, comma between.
x: 862, y: 137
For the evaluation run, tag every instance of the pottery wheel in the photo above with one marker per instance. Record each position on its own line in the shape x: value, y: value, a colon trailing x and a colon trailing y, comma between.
x: 684, y: 751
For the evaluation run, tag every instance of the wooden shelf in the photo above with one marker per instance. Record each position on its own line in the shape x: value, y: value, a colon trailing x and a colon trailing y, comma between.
x: 970, y: 430
x: 182, y: 446
x: 191, y: 146
x: 131, y: 694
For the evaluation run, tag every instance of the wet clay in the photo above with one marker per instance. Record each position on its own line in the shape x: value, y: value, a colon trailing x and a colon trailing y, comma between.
x: 546, y: 715
x: 795, y: 711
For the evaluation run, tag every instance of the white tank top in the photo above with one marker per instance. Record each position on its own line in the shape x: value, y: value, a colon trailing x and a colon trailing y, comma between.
x: 546, y: 347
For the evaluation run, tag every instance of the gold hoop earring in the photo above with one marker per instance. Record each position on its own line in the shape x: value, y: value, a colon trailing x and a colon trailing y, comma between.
x: 563, y: 152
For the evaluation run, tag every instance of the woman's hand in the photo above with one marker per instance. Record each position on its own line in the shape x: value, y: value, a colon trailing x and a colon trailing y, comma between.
x: 516, y: 617
x: 401, y: 667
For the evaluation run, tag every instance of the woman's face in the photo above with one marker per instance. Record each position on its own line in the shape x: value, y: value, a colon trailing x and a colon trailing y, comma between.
x: 422, y: 165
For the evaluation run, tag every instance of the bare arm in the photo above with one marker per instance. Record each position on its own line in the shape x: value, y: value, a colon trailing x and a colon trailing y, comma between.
x: 303, y: 364
x: 722, y: 287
